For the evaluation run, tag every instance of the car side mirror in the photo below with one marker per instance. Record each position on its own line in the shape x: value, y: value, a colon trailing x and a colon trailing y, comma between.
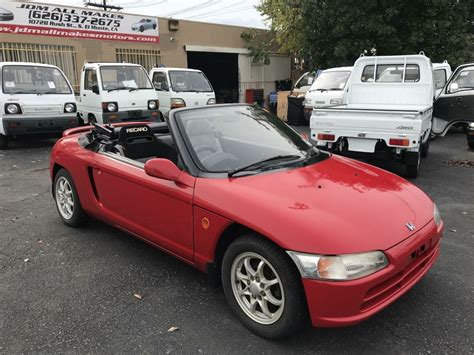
x: 453, y: 87
x: 95, y: 89
x: 162, y: 168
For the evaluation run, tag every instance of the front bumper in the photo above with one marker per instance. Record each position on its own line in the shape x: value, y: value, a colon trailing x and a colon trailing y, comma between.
x: 336, y: 304
x: 130, y: 116
x: 20, y: 125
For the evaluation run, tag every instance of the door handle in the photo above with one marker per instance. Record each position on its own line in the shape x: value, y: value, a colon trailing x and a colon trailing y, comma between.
x: 459, y: 99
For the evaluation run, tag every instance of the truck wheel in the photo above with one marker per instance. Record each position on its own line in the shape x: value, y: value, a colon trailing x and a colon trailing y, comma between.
x: 3, y: 142
x: 413, y: 165
x: 425, y: 148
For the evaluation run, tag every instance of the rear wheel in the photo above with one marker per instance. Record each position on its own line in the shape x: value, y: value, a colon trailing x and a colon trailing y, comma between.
x: 425, y: 148
x: 3, y: 142
x: 413, y: 165
x: 67, y: 200
x: 263, y: 287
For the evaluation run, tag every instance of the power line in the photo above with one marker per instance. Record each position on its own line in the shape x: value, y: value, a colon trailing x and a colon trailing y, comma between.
x: 103, y: 5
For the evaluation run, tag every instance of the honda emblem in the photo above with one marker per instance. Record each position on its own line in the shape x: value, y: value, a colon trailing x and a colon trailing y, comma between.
x: 411, y: 227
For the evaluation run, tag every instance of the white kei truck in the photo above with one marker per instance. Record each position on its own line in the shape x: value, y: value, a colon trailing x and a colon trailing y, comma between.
x: 181, y: 87
x: 116, y: 92
x: 388, y: 111
x: 35, y: 99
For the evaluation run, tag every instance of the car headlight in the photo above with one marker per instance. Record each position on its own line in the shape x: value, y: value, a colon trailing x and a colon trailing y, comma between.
x: 471, y: 125
x: 70, y: 108
x: 211, y: 101
x: 335, y: 101
x: 12, y: 109
x: 152, y: 104
x: 437, y: 216
x: 109, y: 107
x: 339, y: 267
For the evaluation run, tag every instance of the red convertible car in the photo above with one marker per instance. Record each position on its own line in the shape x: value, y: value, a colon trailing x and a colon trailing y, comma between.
x: 291, y: 232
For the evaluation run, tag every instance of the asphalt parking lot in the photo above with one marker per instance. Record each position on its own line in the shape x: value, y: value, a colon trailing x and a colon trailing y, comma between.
x: 72, y: 290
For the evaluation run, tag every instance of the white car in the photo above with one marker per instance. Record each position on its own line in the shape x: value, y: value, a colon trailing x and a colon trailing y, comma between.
x: 144, y: 24
x: 114, y: 92
x: 34, y: 99
x: 388, y: 113
x: 181, y: 87
x: 327, y: 90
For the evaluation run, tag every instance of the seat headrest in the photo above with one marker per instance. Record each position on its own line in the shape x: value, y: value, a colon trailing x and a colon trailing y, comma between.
x: 198, y: 127
x: 135, y: 131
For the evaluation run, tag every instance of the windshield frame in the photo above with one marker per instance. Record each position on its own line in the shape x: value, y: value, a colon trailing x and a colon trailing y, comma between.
x: 196, y: 168
x: 121, y: 66
x: 36, y: 93
x: 173, y: 89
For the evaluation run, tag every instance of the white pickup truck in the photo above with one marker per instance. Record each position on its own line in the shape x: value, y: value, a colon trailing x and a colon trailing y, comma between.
x: 114, y: 92
x: 388, y: 112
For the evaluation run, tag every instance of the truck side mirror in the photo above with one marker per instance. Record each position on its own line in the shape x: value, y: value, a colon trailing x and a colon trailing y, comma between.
x: 95, y: 89
x: 453, y: 87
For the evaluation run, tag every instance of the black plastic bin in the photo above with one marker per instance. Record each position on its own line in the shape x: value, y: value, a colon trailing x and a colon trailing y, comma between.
x: 295, y: 114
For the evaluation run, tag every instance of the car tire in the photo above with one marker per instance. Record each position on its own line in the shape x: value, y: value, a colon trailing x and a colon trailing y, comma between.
x: 425, y: 148
x: 267, y: 318
x: 470, y: 143
x: 67, y: 200
x: 432, y: 136
x: 142, y: 29
x: 413, y: 167
x: 154, y: 27
x: 3, y: 142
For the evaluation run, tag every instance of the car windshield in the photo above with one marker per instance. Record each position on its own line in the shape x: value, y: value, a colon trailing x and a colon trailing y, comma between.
x: 25, y: 79
x: 331, y: 80
x: 229, y: 138
x: 465, y: 78
x: 193, y: 81
x: 305, y: 80
x: 124, y: 77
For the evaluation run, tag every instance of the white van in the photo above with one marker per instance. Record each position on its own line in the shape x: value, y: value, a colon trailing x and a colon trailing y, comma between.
x: 115, y: 92
x: 181, y: 87
x: 327, y: 90
x: 34, y: 99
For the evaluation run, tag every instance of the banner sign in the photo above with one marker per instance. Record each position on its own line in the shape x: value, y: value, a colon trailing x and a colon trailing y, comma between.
x: 73, y: 22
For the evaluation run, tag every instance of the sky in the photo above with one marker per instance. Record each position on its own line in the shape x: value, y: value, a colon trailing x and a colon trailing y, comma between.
x: 230, y: 12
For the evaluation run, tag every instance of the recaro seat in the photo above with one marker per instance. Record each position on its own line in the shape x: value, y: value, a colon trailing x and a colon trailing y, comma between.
x: 139, y: 143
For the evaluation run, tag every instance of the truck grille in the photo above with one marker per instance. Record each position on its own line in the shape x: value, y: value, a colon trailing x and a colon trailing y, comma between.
x: 42, y: 109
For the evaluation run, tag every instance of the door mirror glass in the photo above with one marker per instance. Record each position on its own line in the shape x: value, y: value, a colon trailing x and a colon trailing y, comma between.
x: 453, y: 87
x: 162, y: 169
x: 95, y: 89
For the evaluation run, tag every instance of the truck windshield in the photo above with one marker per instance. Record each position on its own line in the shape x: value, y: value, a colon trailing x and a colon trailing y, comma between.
x: 331, y: 80
x: 306, y: 80
x: 25, y: 79
x: 193, y: 81
x: 124, y: 77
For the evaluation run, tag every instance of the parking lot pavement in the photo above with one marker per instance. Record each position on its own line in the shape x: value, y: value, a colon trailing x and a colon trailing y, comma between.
x: 64, y: 289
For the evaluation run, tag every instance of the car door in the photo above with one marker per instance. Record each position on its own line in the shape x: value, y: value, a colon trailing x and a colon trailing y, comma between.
x: 157, y: 210
x: 89, y: 98
x: 161, y: 84
x: 456, y: 101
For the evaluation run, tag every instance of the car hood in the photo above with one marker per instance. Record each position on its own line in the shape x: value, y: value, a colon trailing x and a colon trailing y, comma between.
x: 335, y: 206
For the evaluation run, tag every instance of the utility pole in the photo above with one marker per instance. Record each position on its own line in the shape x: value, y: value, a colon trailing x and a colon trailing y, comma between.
x: 103, y: 5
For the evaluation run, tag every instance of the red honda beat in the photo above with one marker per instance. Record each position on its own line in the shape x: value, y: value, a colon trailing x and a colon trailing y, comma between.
x: 292, y: 233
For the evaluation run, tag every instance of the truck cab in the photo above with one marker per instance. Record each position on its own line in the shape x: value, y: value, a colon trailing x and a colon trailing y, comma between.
x: 181, y: 87
x: 388, y: 111
x: 34, y: 99
x: 116, y: 92
x: 442, y: 73
x: 328, y: 89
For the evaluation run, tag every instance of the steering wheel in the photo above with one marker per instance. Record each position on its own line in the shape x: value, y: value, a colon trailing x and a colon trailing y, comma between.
x: 204, y: 148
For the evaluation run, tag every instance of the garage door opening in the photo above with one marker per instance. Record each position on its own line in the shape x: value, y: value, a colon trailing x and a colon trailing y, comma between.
x: 222, y: 70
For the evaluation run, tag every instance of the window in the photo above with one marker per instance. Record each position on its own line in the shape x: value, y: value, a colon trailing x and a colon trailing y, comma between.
x: 331, y: 80
x: 31, y: 79
x: 90, y: 79
x: 392, y: 73
x: 465, y: 78
x: 64, y: 57
x: 306, y: 80
x: 148, y: 58
x: 182, y: 80
x: 124, y: 77
x: 160, y: 81
x: 440, y: 78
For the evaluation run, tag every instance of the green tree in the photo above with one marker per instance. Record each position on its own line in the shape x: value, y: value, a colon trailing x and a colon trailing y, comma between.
x: 328, y: 33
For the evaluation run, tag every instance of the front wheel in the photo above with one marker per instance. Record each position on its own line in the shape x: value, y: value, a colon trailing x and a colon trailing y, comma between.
x: 263, y: 287
x: 67, y: 200
x: 425, y: 148
x: 3, y: 142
